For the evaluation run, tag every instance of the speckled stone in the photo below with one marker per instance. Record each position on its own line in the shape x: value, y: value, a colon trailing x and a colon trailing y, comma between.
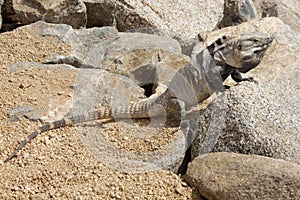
x: 182, y: 20
x: 237, y: 176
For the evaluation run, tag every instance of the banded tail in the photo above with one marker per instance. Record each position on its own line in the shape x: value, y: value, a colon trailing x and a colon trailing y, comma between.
x: 135, y: 111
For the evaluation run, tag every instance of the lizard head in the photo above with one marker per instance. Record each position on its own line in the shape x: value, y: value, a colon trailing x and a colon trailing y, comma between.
x: 244, y: 52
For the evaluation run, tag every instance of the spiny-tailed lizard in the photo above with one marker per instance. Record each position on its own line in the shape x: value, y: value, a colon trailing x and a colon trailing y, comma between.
x: 193, y: 83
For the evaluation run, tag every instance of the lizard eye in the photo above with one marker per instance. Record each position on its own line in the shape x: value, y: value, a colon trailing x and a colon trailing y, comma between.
x: 239, y: 47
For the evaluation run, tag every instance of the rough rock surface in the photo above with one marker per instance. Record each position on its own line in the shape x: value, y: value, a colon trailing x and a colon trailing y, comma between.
x: 94, y: 46
x: 287, y: 10
x: 236, y: 176
x: 130, y: 54
x: 56, y: 11
x: 182, y: 20
x: 260, y: 118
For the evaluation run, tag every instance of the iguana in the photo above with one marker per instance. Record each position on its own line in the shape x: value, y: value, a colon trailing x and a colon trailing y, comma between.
x: 193, y: 83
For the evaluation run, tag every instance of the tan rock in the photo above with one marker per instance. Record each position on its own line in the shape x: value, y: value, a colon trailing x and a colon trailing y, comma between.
x: 236, y: 176
x: 182, y: 20
x: 56, y: 11
x: 287, y: 10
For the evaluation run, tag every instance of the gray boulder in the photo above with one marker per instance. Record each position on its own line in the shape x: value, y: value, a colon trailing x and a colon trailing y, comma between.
x: 259, y: 118
x: 182, y: 20
x: 55, y: 11
x: 236, y: 176
x: 143, y: 57
x: 90, y: 46
x: 179, y: 20
x: 287, y: 10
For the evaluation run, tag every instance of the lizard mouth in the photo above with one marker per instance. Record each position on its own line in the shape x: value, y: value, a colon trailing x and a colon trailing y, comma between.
x: 260, y: 53
x: 263, y: 47
x: 251, y: 61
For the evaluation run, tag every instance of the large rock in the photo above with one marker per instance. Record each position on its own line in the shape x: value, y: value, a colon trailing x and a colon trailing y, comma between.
x: 143, y: 57
x: 179, y: 20
x: 259, y: 118
x: 56, y: 11
x: 236, y: 176
x: 88, y: 45
x: 91, y: 45
x: 287, y: 10
x: 182, y: 20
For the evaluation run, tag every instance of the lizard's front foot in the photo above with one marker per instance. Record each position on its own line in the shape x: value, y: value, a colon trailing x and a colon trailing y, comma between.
x: 250, y: 79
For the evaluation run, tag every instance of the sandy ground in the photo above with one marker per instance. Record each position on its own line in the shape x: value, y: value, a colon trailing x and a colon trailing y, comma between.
x: 56, y: 164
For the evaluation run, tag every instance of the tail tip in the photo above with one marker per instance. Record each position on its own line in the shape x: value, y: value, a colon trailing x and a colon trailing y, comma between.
x: 8, y: 158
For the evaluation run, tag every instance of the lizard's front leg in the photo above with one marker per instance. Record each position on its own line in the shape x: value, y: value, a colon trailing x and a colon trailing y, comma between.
x: 237, y: 77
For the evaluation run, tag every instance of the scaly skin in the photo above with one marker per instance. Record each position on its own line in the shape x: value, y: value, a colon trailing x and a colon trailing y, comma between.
x: 192, y: 84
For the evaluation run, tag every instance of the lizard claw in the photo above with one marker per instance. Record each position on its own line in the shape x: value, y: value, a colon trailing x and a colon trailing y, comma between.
x: 250, y: 79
